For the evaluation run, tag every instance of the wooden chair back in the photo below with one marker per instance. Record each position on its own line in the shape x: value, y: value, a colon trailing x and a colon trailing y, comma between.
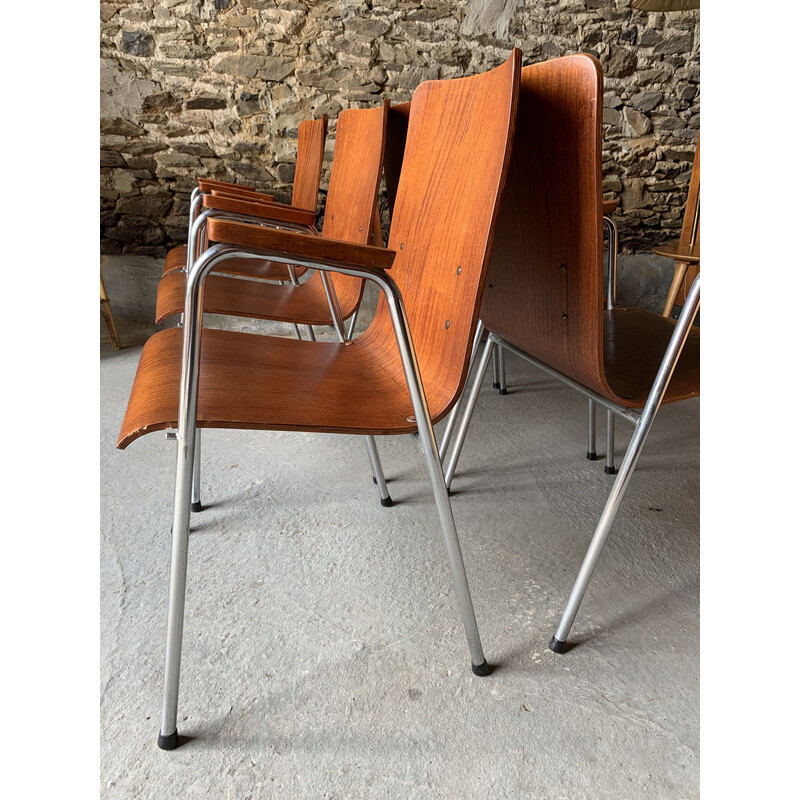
x: 444, y: 219
x: 353, y: 188
x: 545, y: 281
x: 308, y: 170
x: 690, y: 231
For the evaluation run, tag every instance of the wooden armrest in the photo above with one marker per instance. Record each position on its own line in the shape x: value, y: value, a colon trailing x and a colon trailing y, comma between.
x: 298, y: 245
x: 248, y: 197
x: 609, y: 207
x: 265, y: 210
x: 680, y: 251
x: 207, y: 185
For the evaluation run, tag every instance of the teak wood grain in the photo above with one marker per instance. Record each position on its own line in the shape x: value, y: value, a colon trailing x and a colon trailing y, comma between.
x: 545, y: 281
x: 257, y: 382
x: 349, y: 214
x: 208, y: 184
x: 267, y: 211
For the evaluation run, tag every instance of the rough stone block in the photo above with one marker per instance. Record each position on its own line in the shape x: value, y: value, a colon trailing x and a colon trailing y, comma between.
x: 240, y: 66
x: 206, y: 101
x: 138, y: 43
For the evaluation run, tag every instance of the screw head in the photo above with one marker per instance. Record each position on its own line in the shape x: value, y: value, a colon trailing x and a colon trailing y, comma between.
x: 458, y: 270
x: 563, y: 316
x: 447, y: 323
x: 411, y: 419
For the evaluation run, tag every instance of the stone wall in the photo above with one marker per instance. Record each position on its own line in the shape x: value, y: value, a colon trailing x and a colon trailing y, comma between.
x: 218, y: 88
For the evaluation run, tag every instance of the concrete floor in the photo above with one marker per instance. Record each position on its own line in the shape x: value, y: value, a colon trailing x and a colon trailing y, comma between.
x: 324, y: 655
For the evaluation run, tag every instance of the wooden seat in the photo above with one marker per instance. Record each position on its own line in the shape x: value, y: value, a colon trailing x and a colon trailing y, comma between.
x: 349, y: 209
x: 544, y: 299
x: 422, y: 329
x: 311, y: 136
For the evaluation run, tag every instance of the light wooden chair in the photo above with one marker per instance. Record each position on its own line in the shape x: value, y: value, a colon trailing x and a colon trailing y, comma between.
x: 686, y: 250
x: 108, y: 316
x: 401, y: 375
x: 545, y: 295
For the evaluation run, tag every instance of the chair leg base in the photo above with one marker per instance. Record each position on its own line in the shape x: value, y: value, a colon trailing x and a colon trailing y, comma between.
x: 482, y: 670
x: 592, y: 456
x: 387, y: 502
x: 198, y: 506
x: 610, y: 470
x: 168, y: 742
x: 495, y: 386
x: 503, y: 391
x: 557, y: 646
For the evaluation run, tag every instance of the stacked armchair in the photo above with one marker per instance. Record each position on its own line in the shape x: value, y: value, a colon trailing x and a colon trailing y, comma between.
x: 495, y: 245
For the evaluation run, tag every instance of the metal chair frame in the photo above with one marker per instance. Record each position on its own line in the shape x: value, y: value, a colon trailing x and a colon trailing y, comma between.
x: 196, y: 244
x: 642, y: 421
x: 187, y: 436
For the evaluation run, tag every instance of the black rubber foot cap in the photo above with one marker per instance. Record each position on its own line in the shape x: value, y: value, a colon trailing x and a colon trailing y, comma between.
x: 482, y: 670
x: 386, y: 502
x: 610, y: 470
x: 557, y: 646
x: 591, y: 456
x: 168, y: 742
x: 197, y: 506
x: 495, y: 386
x: 504, y: 391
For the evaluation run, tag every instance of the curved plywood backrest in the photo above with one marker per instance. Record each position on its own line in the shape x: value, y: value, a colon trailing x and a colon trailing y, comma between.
x: 353, y: 187
x: 544, y: 289
x: 355, y: 173
x: 454, y: 164
x: 396, y: 133
x: 310, y: 152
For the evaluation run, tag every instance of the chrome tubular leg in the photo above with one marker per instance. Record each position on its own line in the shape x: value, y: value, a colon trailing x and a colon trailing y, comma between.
x: 501, y: 370
x: 186, y: 437
x: 610, y: 469
x: 495, y: 371
x: 678, y: 339
x: 591, y: 449
x: 458, y: 442
x: 611, y: 296
x: 377, y: 471
x: 372, y: 449
x: 445, y: 510
x: 352, y: 328
x: 196, y: 504
x: 452, y: 417
x: 168, y: 735
x: 309, y: 329
x: 333, y: 305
